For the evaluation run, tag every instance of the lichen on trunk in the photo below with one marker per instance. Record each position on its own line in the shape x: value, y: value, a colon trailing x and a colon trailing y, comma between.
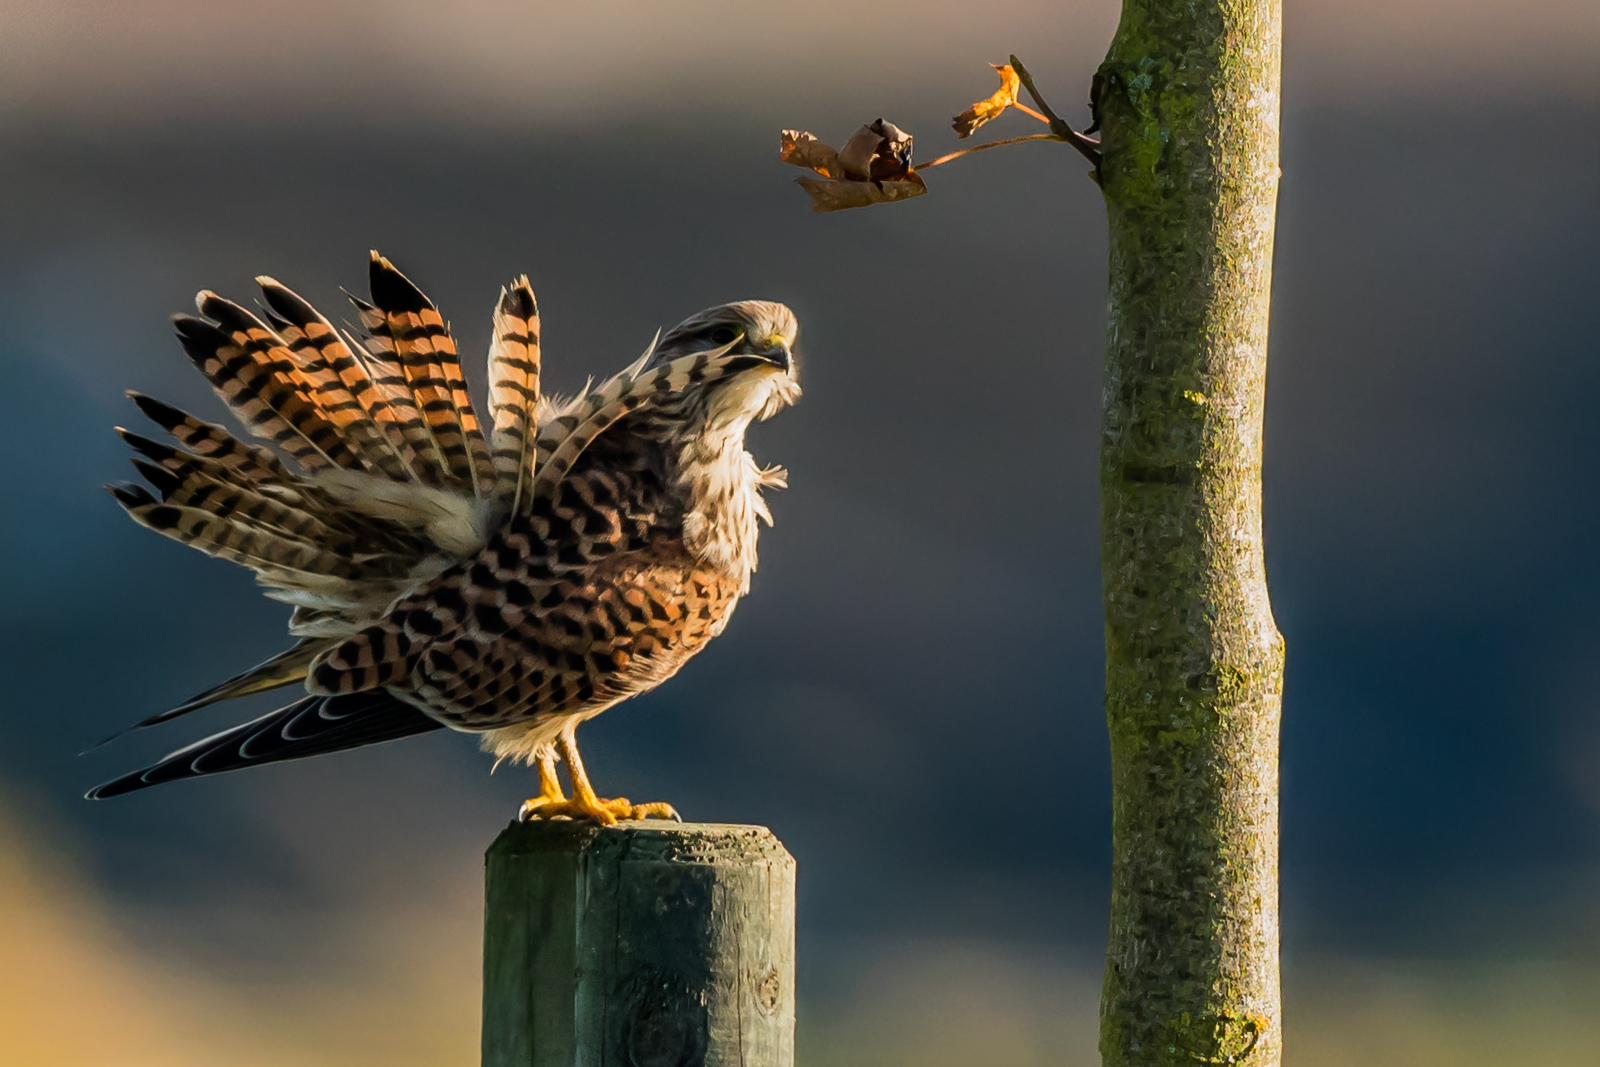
x: 1187, y: 100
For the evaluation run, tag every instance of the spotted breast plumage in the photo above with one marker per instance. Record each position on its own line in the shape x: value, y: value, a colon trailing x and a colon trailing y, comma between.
x: 509, y: 580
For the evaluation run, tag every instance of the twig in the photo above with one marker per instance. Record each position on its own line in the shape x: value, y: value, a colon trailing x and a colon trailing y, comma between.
x: 1088, y: 146
x: 992, y: 144
x: 1026, y: 110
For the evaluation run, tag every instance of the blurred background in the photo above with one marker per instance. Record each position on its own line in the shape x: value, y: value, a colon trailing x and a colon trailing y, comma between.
x: 911, y: 697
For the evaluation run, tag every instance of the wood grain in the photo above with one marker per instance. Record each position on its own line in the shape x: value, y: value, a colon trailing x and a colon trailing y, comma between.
x: 647, y: 944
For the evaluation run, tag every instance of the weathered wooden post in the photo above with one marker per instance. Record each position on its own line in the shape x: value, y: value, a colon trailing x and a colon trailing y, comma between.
x: 645, y: 944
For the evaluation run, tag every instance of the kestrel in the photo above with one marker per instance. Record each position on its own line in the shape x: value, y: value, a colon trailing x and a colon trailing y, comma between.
x: 509, y: 581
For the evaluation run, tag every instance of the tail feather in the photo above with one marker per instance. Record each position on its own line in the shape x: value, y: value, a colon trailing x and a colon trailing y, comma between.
x: 309, y: 727
x: 514, y: 392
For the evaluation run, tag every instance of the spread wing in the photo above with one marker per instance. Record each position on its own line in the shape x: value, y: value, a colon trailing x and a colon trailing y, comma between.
x: 385, y: 481
x: 384, y: 476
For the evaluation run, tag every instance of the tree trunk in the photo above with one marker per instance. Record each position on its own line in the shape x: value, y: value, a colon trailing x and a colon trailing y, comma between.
x: 1187, y: 100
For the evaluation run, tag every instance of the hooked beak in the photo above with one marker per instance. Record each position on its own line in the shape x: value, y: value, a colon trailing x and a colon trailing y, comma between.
x: 776, y: 351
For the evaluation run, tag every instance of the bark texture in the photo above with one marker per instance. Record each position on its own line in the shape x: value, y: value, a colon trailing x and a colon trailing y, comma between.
x: 1187, y: 100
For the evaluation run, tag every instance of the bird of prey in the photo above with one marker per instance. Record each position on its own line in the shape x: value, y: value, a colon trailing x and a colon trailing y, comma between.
x: 509, y: 580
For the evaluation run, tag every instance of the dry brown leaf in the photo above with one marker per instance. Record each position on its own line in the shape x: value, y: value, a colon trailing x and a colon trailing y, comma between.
x: 879, y: 151
x: 874, y: 167
x: 804, y: 150
x: 831, y: 195
x: 984, y: 110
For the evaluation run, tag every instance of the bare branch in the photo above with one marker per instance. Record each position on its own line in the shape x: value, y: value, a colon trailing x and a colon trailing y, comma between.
x: 1088, y: 146
x: 992, y: 144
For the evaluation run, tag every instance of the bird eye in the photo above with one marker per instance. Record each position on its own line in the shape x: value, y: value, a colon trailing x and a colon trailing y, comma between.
x: 723, y: 335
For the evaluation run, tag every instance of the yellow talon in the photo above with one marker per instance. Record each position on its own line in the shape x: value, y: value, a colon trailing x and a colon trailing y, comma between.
x: 553, y: 803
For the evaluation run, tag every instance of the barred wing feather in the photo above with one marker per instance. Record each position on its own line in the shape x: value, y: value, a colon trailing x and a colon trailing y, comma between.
x: 513, y: 393
x: 387, y: 479
x: 405, y: 327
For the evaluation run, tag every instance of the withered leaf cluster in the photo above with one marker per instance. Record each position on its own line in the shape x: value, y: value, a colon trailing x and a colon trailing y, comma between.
x: 984, y: 110
x: 873, y: 167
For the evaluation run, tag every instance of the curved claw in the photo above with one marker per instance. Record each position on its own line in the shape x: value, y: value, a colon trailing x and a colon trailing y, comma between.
x: 602, y: 812
x: 658, y: 809
x: 552, y: 803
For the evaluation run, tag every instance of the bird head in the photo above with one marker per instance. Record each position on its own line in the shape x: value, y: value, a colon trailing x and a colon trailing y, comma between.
x: 764, y: 330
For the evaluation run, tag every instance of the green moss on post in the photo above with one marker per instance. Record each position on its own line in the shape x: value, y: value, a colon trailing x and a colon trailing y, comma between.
x: 1188, y: 106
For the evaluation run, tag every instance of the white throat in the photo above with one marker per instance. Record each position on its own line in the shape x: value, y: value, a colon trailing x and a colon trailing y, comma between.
x: 725, y: 507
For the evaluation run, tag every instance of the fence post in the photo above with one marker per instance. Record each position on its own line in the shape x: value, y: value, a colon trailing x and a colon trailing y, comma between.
x: 646, y: 944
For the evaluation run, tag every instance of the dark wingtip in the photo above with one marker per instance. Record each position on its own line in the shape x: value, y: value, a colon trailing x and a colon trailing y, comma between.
x: 145, y: 445
x: 519, y: 300
x: 106, y: 740
x: 200, y: 339
x: 130, y: 494
x: 286, y: 302
x: 193, y: 703
x: 165, y: 482
x: 186, y: 325
x: 154, y: 720
x: 233, y: 317
x: 128, y: 783
x: 393, y: 291
x: 163, y: 415
x: 310, y: 726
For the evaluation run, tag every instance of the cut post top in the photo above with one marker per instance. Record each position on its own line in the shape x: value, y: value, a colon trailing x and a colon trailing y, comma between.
x: 645, y: 839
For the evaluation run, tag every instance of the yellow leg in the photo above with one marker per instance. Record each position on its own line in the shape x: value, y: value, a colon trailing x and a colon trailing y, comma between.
x: 551, y: 803
x: 550, y: 791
